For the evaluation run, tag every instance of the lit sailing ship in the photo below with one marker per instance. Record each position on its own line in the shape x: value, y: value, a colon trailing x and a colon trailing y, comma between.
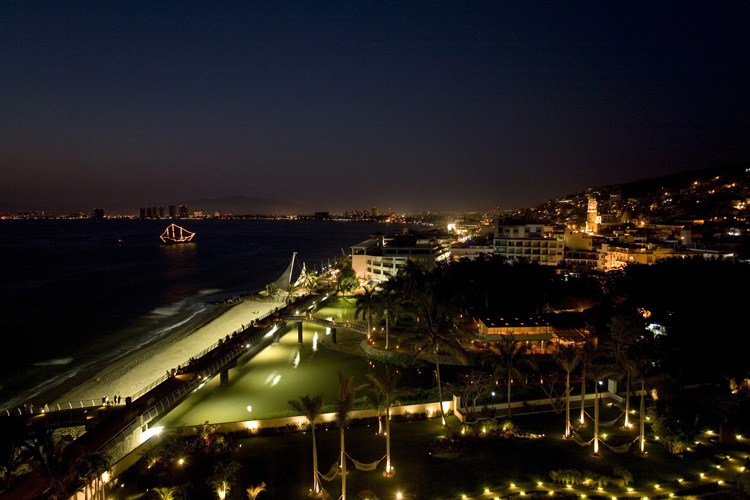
x: 176, y: 234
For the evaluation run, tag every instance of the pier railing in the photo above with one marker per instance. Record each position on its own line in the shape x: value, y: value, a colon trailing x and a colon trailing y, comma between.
x: 91, y: 403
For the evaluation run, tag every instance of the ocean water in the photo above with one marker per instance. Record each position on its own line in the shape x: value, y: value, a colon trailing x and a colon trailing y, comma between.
x: 73, y: 297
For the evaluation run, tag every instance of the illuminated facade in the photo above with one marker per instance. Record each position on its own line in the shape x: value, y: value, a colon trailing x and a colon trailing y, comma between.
x: 617, y: 256
x: 592, y: 216
x: 530, y: 242
x: 383, y: 256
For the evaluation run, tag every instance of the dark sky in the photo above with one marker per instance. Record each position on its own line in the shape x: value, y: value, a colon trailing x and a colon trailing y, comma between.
x: 343, y: 105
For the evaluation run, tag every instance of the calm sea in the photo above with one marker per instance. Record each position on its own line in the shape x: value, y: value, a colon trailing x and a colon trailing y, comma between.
x: 75, y: 294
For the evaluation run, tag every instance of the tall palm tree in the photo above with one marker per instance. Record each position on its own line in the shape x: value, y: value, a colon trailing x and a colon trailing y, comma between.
x: 508, y: 360
x: 375, y: 399
x: 567, y: 357
x: 387, y: 306
x: 366, y: 306
x: 436, y: 329
x: 311, y: 407
x: 387, y: 385
x: 624, y: 332
x: 597, y: 373
x: 344, y: 402
x: 413, y: 278
x: 588, y: 354
x: 643, y: 373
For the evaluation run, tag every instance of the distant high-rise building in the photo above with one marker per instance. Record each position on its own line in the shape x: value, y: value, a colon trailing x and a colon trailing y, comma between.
x: 143, y: 212
x: 183, y: 212
x: 172, y: 211
x: 375, y: 212
x: 162, y: 212
x: 98, y: 213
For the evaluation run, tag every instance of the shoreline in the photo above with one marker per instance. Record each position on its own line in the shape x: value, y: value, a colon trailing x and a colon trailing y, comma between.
x: 129, y: 374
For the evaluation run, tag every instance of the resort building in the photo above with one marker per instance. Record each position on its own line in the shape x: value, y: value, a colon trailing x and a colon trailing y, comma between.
x: 580, y: 251
x: 531, y: 242
x: 472, y: 249
x: 542, y: 335
x: 383, y: 256
x: 618, y: 255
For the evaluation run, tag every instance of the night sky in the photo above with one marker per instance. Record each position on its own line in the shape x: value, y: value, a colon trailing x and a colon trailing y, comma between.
x: 460, y: 105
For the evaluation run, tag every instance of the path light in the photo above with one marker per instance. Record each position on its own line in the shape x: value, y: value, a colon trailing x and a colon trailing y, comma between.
x: 721, y: 482
x: 539, y: 483
x: 702, y: 474
x: 486, y: 490
x: 399, y: 495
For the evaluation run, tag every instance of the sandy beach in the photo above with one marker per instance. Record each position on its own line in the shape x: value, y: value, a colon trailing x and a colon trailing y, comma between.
x: 135, y: 371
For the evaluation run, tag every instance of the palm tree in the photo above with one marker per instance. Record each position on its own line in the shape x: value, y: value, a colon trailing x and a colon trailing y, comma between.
x: 588, y: 354
x: 90, y: 470
x: 311, y: 408
x: 387, y: 386
x: 375, y: 399
x: 366, y: 306
x: 624, y: 331
x: 598, y: 373
x: 290, y: 293
x: 387, y: 306
x: 414, y: 278
x: 509, y: 361
x: 435, y: 330
x: 166, y: 493
x: 310, y: 281
x: 567, y: 357
x: 254, y: 491
x: 272, y: 290
x: 222, y: 478
x: 344, y: 402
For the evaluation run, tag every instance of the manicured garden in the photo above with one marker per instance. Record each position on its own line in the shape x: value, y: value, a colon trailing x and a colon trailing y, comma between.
x: 425, y: 467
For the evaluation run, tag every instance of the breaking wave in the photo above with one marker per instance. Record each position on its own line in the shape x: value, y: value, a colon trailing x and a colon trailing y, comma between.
x: 54, y: 362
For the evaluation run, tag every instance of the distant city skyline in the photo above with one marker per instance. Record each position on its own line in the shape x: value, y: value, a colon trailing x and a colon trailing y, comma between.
x: 331, y: 107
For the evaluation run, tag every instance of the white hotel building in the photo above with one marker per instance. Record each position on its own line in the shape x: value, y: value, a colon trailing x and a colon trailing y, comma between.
x: 530, y: 242
x: 383, y: 256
